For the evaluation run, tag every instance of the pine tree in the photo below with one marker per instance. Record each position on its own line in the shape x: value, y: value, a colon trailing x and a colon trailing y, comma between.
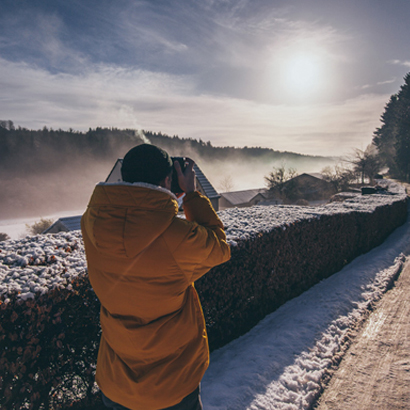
x: 393, y: 138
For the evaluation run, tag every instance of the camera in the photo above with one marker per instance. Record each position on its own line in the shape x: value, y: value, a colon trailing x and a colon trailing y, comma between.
x: 175, y: 188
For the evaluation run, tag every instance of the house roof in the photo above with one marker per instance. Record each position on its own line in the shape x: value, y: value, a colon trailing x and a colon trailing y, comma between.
x: 242, y: 197
x: 115, y: 174
x: 209, y: 190
x: 317, y: 175
x: 72, y: 222
x: 69, y: 223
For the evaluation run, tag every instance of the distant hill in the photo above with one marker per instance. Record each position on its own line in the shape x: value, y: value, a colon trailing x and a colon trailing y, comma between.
x: 46, y: 171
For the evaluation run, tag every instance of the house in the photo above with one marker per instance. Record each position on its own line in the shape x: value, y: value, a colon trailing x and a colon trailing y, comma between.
x: 311, y: 187
x: 243, y: 199
x: 202, y: 183
x: 74, y: 222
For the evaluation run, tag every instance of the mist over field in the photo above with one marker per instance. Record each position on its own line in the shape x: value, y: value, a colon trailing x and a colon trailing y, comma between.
x: 42, y: 194
x: 250, y: 174
x: 53, y: 171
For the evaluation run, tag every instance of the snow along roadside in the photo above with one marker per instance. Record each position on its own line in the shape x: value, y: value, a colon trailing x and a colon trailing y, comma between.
x: 281, y: 363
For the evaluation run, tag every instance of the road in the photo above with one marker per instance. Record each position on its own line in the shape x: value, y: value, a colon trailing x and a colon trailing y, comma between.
x: 375, y: 372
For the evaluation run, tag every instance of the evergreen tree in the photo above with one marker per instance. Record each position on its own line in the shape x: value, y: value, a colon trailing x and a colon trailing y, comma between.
x: 384, y: 138
x: 393, y: 138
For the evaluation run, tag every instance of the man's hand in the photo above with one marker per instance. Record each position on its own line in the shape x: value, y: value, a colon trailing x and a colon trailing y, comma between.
x: 186, y: 179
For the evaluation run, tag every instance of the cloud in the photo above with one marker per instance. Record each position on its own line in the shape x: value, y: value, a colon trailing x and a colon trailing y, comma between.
x: 400, y: 62
x: 112, y: 96
x: 393, y: 80
x: 237, y: 48
x: 364, y: 87
x: 39, y: 38
x: 367, y: 86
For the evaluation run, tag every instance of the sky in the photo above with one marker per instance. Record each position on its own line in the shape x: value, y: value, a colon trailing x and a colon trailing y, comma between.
x: 305, y: 76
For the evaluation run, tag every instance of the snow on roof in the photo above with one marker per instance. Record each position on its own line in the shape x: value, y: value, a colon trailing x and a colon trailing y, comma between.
x: 242, y: 197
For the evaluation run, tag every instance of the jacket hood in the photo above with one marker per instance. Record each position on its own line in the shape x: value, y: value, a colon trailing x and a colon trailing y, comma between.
x: 115, y: 209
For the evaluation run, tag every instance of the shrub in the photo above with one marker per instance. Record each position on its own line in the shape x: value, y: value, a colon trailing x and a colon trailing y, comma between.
x: 39, y: 226
x: 4, y: 237
x: 302, y: 202
x: 49, y: 348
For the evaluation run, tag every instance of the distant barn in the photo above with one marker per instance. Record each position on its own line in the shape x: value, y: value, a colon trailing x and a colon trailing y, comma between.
x: 241, y: 199
x: 311, y: 187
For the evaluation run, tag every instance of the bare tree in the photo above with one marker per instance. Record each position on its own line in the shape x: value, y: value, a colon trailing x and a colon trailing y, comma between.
x: 226, y: 184
x: 39, y: 226
x: 279, y: 175
x: 340, y: 176
x: 366, y: 163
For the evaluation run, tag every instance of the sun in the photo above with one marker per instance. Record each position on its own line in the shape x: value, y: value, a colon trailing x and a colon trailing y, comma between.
x: 303, y: 72
x: 300, y: 72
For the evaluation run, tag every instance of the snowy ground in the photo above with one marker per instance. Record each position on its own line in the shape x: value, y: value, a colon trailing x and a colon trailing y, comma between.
x: 277, y: 365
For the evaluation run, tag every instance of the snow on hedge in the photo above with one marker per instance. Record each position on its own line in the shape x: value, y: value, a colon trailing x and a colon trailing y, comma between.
x: 40, y: 263
x: 243, y: 223
x: 43, y: 262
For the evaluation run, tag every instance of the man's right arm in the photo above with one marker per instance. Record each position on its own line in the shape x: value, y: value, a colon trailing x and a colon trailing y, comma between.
x: 204, y: 245
x: 199, y: 242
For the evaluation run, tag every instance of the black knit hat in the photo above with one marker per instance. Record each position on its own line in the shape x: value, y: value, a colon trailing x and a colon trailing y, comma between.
x: 146, y: 163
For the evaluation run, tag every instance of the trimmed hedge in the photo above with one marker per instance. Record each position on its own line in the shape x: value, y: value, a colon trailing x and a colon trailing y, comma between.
x: 272, y: 268
x: 49, y: 344
x: 49, y: 348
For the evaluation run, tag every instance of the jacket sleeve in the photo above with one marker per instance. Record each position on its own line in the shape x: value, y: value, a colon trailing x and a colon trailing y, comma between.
x: 203, y: 243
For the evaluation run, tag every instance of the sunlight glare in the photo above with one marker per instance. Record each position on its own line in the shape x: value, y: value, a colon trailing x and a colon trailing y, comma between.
x: 303, y: 73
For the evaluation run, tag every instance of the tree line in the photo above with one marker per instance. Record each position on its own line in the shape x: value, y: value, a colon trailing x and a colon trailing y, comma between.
x: 24, y: 151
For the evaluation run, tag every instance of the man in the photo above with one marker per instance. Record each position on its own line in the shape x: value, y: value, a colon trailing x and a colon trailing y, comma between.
x: 142, y: 262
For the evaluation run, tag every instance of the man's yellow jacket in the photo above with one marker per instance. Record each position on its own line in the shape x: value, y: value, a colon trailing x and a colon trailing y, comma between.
x: 142, y: 262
